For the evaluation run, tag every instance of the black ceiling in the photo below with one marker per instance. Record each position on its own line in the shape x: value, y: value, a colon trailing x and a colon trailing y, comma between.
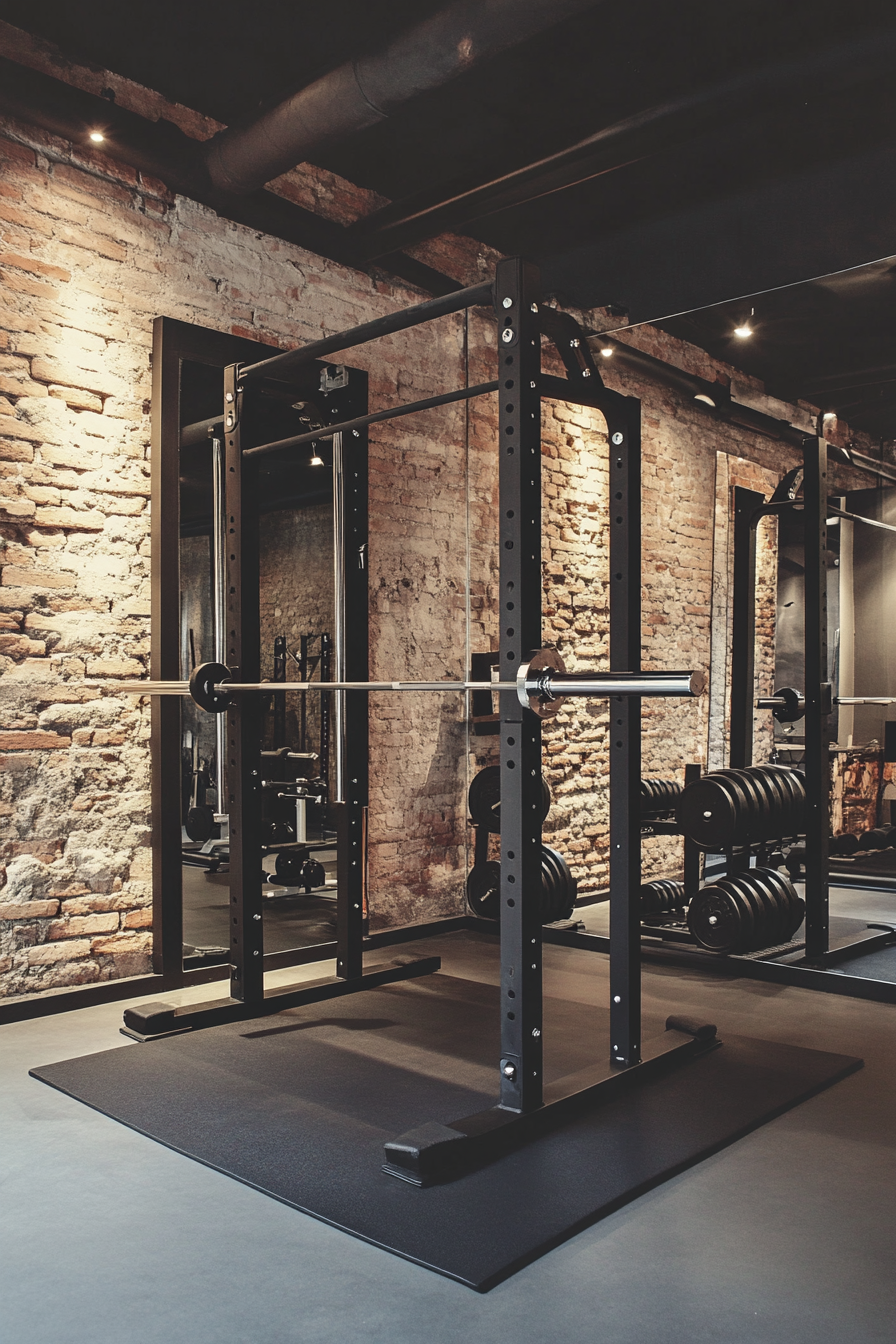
x: 772, y: 160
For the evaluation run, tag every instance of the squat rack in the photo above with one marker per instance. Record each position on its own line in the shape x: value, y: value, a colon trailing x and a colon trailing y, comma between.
x: 437, y: 1151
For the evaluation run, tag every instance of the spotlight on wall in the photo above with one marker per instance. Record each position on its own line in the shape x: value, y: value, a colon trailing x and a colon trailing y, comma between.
x: 316, y: 459
x: 829, y: 415
x: 97, y: 137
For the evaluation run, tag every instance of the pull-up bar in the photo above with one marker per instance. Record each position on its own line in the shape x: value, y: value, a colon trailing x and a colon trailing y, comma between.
x: 390, y: 413
x: 472, y: 297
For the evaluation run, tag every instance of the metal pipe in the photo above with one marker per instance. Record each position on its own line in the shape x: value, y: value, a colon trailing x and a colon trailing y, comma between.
x: 364, y: 91
x: 471, y: 297
x: 649, y: 131
x: 390, y: 413
x: 201, y: 431
x: 339, y: 612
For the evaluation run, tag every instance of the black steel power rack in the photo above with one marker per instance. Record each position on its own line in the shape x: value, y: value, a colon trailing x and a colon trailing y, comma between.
x: 524, y: 1106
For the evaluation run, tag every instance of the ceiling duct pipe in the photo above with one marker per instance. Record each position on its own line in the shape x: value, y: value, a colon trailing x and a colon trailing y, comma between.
x: 363, y: 92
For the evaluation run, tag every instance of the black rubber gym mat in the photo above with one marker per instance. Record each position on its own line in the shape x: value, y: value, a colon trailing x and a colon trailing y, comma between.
x: 299, y: 1106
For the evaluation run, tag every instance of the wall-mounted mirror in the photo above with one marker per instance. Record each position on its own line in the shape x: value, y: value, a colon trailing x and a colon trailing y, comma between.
x: 299, y: 497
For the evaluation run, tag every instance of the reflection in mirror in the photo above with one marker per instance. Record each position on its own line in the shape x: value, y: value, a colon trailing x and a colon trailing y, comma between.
x: 299, y: 637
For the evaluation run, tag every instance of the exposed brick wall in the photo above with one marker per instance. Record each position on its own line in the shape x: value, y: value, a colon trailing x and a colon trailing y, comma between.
x: 90, y: 253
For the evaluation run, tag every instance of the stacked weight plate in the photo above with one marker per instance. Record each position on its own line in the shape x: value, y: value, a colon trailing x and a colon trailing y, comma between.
x: 658, y: 796
x: 556, y: 898
x: 734, y: 809
x: 484, y: 799
x: 663, y: 897
x: 756, y: 909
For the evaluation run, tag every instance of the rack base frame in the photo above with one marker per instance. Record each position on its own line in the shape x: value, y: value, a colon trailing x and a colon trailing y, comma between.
x: 433, y: 1153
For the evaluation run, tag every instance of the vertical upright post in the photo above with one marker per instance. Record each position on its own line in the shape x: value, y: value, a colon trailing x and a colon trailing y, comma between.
x: 743, y: 627
x: 303, y: 705
x: 351, y: 719
x: 279, y: 697
x: 325, y: 674
x: 165, y: 664
x: 244, y: 715
x: 517, y: 299
x: 219, y: 611
x: 818, y: 697
x: 691, y: 851
x: 624, y: 429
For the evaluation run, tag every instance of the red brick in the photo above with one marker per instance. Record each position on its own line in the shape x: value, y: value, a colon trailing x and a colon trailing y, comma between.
x: 35, y: 740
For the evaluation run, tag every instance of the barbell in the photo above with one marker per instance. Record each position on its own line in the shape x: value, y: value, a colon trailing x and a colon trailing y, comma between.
x: 540, y: 685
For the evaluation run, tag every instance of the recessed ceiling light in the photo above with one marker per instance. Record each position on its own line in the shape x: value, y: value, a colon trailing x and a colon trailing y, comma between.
x: 97, y: 137
x: 830, y: 415
x: 704, y: 396
x: 607, y: 351
x: 743, y: 331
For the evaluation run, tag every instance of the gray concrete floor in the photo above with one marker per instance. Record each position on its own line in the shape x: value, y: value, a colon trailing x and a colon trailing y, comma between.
x: 786, y: 1236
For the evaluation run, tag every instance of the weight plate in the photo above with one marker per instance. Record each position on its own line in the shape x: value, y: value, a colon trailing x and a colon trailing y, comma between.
x: 758, y: 910
x: 203, y: 681
x: 714, y: 919
x: 313, y: 874
x: 780, y: 915
x: 773, y: 798
x: 484, y: 889
x: 754, y: 819
x: 564, y: 892
x: 706, y: 812
x: 748, y: 930
x: 549, y: 895
x: 484, y: 798
x: 779, y: 801
x: 200, y: 823
x: 796, y: 902
x: 794, y: 907
x: 764, y: 819
x: 793, y: 781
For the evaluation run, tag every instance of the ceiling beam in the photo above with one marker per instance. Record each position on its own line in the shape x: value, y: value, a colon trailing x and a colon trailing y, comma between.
x: 164, y: 151
x: 769, y: 91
